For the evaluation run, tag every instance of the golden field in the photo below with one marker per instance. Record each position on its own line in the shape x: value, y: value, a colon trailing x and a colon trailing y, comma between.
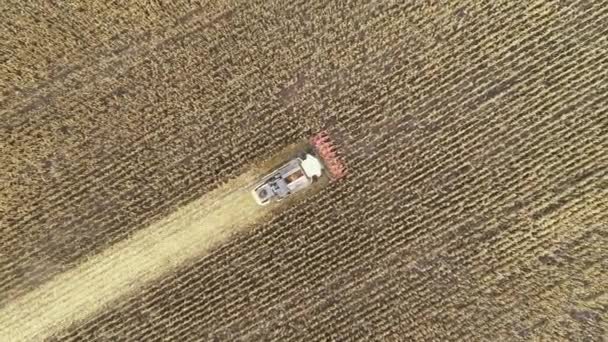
x: 475, y: 209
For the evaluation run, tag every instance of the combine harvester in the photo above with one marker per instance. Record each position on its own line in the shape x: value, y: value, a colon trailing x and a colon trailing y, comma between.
x: 318, y: 159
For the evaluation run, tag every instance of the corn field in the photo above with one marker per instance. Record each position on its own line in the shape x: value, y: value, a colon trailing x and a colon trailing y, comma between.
x: 475, y: 135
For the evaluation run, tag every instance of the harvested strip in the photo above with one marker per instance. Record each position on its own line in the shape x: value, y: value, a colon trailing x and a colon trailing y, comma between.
x: 120, y: 270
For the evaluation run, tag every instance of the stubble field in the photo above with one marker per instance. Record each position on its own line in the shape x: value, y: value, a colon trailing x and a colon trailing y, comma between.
x: 476, y: 135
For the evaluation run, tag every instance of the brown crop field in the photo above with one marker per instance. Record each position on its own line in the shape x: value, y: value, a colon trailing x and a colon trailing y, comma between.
x: 475, y: 134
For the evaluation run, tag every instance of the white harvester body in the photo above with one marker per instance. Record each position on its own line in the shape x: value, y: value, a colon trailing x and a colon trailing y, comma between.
x: 293, y: 176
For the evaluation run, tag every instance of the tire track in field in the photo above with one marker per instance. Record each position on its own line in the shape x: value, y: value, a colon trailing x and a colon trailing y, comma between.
x: 80, y: 292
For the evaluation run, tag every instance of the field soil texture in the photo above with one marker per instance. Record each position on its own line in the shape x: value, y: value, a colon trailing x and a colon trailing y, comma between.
x: 475, y: 206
